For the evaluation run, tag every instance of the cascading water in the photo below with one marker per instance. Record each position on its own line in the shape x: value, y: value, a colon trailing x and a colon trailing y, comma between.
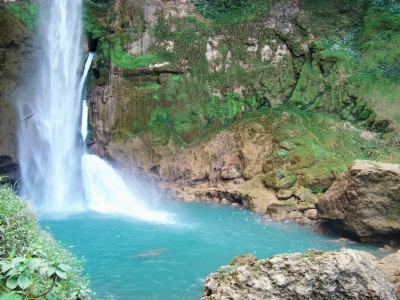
x: 85, y: 108
x: 50, y: 143
x: 48, y: 138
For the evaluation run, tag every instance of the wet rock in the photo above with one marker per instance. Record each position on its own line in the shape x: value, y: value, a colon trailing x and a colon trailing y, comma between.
x: 304, y: 221
x: 293, y: 215
x: 344, y: 274
x: 364, y: 202
x: 311, y: 214
x: 279, y: 211
x: 224, y: 201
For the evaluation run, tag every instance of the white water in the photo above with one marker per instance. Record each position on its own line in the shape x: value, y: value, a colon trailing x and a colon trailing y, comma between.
x: 48, y: 139
x: 50, y: 142
x: 85, y: 117
x: 106, y: 192
x: 85, y: 108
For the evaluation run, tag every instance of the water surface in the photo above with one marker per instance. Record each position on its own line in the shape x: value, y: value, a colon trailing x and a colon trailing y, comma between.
x: 133, y: 259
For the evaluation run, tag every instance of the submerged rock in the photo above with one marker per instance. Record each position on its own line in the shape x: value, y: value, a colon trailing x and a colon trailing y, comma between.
x: 343, y: 274
x: 365, y: 202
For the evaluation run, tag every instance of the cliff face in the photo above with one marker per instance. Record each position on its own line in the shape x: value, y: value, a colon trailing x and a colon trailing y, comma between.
x: 16, y: 69
x: 265, y: 96
x: 244, y: 108
x: 164, y: 62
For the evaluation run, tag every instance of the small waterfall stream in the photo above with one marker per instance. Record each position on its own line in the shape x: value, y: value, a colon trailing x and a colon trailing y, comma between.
x: 85, y: 108
x: 56, y: 176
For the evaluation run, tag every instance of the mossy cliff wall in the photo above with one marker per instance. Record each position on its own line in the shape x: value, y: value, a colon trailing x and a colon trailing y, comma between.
x: 164, y: 62
x: 17, y: 23
x: 173, y: 72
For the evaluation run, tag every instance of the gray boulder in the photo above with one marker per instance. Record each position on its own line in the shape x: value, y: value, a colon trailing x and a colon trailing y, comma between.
x: 344, y: 274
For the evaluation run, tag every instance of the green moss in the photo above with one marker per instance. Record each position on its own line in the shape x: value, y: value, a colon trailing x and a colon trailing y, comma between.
x: 27, y: 11
x: 127, y: 61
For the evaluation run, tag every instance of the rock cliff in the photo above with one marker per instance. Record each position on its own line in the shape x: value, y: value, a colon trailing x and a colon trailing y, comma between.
x: 240, y: 110
x: 17, y: 66
x: 344, y: 274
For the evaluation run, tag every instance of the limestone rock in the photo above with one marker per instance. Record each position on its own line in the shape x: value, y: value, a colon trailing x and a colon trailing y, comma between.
x: 243, y: 259
x: 365, y: 202
x: 390, y: 266
x: 311, y: 214
x: 230, y: 172
x: 304, y: 221
x: 344, y: 274
x: 303, y: 193
x: 277, y: 180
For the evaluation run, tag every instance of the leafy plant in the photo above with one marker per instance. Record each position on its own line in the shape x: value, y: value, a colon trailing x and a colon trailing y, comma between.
x: 32, y: 264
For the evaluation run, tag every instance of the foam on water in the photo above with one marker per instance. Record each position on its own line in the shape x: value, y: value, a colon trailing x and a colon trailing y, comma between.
x: 106, y: 192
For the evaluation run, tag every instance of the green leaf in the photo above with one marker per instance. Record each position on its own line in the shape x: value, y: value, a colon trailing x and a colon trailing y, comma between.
x: 12, y: 283
x: 50, y: 271
x: 18, y: 260
x: 10, y: 296
x: 63, y: 267
x: 60, y: 273
x: 34, y: 263
x: 5, y: 266
x: 11, y: 272
x: 23, y: 281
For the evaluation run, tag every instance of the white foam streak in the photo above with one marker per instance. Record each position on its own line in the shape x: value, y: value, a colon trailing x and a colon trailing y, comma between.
x: 106, y: 192
x: 85, y: 116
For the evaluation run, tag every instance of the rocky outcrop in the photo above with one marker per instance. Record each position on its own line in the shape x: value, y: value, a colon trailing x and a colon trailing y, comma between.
x: 390, y: 266
x: 16, y: 67
x: 296, y: 204
x: 344, y: 274
x: 365, y: 202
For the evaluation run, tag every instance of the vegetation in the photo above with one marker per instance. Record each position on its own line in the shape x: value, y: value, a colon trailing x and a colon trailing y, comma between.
x: 27, y: 11
x: 350, y: 72
x: 230, y: 12
x: 33, y: 265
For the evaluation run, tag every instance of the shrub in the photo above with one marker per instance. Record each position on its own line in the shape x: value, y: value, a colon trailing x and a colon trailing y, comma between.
x: 33, y: 264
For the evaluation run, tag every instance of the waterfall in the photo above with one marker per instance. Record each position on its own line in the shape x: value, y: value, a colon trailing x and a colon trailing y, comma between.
x: 48, y: 139
x: 85, y: 108
x: 56, y: 176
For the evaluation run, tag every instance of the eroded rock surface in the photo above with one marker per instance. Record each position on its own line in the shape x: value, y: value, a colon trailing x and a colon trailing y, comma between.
x: 365, y: 202
x: 344, y: 274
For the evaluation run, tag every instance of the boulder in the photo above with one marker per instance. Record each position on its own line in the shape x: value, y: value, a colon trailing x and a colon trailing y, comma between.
x: 365, y: 202
x: 390, y: 266
x: 230, y: 172
x: 343, y: 274
x: 311, y: 214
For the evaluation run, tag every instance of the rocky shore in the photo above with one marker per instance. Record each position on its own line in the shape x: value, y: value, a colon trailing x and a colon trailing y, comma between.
x: 343, y: 274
